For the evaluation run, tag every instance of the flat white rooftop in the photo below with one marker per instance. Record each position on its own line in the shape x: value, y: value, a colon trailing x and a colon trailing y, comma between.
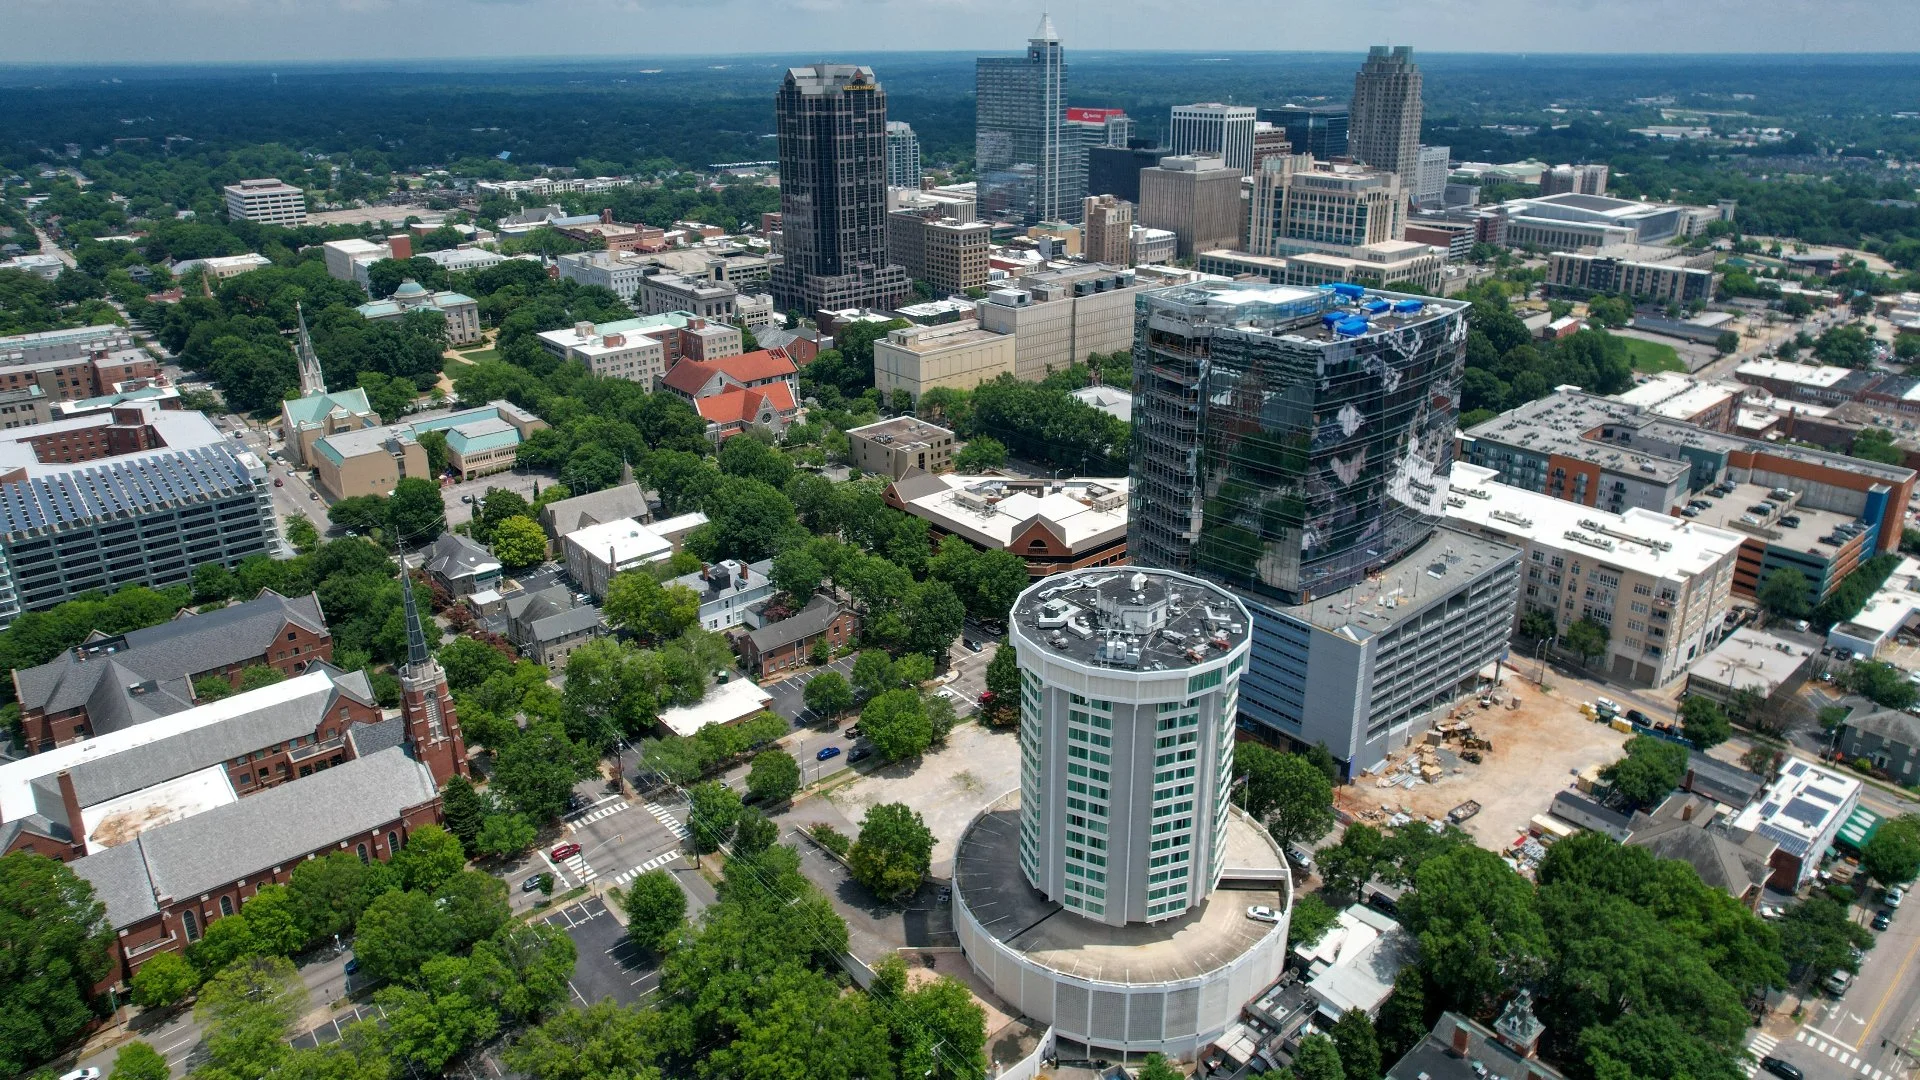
x: 1787, y: 371
x: 724, y: 704
x: 624, y: 540
x: 1641, y: 540
x: 991, y: 510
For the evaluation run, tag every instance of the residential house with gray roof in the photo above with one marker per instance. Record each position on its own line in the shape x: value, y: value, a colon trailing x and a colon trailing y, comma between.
x: 1698, y: 831
x: 461, y: 566
x: 1888, y: 739
x: 784, y: 645
x: 110, y: 682
x: 547, y: 625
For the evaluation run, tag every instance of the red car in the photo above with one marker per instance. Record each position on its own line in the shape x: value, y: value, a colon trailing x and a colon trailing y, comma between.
x: 986, y: 697
x: 565, y: 851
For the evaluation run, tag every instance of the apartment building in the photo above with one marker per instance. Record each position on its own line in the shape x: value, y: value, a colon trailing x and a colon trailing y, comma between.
x: 1677, y: 279
x: 643, y: 350
x: 268, y: 202
x: 1661, y: 585
x: 662, y: 292
x: 135, y: 494
x: 1108, y: 224
x: 900, y: 445
x: 70, y: 344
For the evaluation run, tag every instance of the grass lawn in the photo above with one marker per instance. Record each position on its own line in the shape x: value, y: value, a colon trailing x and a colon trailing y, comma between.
x: 1651, y: 356
x: 477, y: 355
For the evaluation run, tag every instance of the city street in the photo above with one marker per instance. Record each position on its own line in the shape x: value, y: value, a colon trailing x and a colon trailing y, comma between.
x: 1871, y: 1030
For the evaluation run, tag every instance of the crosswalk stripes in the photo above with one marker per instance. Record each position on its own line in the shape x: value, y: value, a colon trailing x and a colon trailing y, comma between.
x: 651, y: 864
x: 599, y: 812
x: 1843, y: 1054
x: 672, y: 823
x: 1762, y: 1045
x: 581, y: 870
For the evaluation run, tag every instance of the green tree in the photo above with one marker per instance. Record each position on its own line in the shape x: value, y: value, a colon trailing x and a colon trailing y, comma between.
x: 226, y: 940
x: 1317, y: 1059
x: 274, y: 919
x: 893, y: 851
x: 519, y: 542
x: 475, y: 906
x: 1876, y: 444
x: 211, y: 688
x: 713, y: 809
x: 1818, y: 935
x: 536, y: 770
x: 1650, y: 771
x: 897, y: 725
x: 330, y: 892
x: 827, y: 694
x: 1346, y: 867
x: 1704, y: 722
x: 752, y: 458
x: 1784, y: 593
x: 302, y: 534
x: 938, y: 1028
x: 1403, y: 1022
x: 1309, y: 920
x: 1728, y: 342
x: 211, y: 582
x: 255, y: 676
x: 1477, y: 926
x: 873, y: 673
x: 468, y: 662
x: 429, y: 856
x: 774, y: 777
x: 1359, y: 1050
x: 747, y: 519
x: 1892, y: 854
x: 505, y: 835
x: 1640, y: 1046
x: 656, y: 907
x: 981, y: 453
x: 399, y: 932
x: 1882, y: 683
x: 425, y: 1027
x: 1003, y: 682
x: 637, y: 602
x: 1587, y: 639
x: 1157, y: 1068
x: 138, y: 1061
x: 247, y: 1012
x: 1285, y: 792
x: 416, y: 513
x: 164, y: 980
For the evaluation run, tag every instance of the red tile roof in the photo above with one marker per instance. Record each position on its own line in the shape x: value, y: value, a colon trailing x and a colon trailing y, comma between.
x: 688, y: 376
x: 757, y: 365
x: 737, y: 405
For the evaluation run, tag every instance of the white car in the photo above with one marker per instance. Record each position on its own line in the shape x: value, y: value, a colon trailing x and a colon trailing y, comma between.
x: 1258, y: 912
x: 1895, y: 895
x: 82, y: 1074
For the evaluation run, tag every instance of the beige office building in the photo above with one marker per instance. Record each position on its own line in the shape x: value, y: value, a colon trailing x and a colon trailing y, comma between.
x: 1389, y: 264
x: 958, y: 355
x: 949, y: 255
x: 1300, y: 204
x: 1197, y: 199
x: 1058, y: 318
x: 267, y: 201
x: 1108, y: 221
x: 900, y: 446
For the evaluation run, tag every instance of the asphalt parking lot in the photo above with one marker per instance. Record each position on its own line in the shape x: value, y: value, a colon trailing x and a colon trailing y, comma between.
x: 609, y: 966
x: 333, y: 1030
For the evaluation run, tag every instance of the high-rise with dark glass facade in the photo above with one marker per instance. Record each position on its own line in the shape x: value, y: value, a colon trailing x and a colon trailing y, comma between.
x: 1294, y: 445
x: 1020, y: 150
x: 832, y: 124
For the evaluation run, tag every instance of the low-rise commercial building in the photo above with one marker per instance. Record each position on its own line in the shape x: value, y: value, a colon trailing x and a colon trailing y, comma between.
x: 958, y: 356
x: 1748, y: 661
x: 1816, y: 384
x: 598, y: 552
x: 1888, y: 612
x: 222, y: 267
x: 615, y: 235
x: 1661, y: 585
x: 136, y: 494
x: 662, y: 292
x: 1053, y: 525
x: 1353, y: 964
x: 1713, y: 406
x: 547, y: 625
x: 1802, y: 813
x: 462, y: 312
x: 626, y: 500
x: 900, y: 446
x: 370, y: 461
x: 268, y: 202
x: 1458, y: 1048
x: 1887, y: 739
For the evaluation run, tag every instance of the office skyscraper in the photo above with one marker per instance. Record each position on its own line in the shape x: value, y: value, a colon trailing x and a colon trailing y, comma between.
x: 1320, y: 130
x: 903, y: 155
x: 1019, y: 148
x: 1215, y: 130
x: 832, y: 123
x: 1386, y: 112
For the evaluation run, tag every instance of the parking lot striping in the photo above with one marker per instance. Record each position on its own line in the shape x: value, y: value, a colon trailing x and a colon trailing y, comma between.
x: 651, y: 864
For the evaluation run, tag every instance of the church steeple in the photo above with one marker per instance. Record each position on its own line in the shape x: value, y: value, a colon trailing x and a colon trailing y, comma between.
x: 311, y: 381
x: 426, y: 704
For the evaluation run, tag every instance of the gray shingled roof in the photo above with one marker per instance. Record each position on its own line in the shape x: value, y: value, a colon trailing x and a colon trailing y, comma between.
x: 594, y: 508
x: 119, y: 878
x: 247, y: 839
x: 566, y: 624
x: 1892, y: 725
x: 196, y: 749
x: 819, y: 615
x: 370, y: 739
x: 452, y: 556
x: 171, y: 651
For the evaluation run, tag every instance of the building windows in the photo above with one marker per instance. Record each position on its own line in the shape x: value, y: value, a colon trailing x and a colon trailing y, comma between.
x: 361, y: 850
x: 190, y: 925
x: 226, y: 906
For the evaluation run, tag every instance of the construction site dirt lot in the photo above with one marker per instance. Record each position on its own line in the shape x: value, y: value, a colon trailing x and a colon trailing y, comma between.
x: 1538, y: 748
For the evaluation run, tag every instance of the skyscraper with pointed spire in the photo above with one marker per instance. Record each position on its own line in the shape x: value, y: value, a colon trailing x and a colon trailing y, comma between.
x: 1021, y: 106
x: 426, y: 704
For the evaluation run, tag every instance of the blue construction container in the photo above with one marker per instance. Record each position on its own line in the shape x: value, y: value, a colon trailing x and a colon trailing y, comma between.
x: 1376, y: 306
x: 1351, y: 326
x: 1351, y: 292
x: 1408, y: 307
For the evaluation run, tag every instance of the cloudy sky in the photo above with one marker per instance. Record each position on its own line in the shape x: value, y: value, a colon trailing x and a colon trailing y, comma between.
x: 275, y: 30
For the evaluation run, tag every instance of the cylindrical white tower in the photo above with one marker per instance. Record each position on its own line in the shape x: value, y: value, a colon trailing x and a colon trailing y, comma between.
x: 1128, y: 687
